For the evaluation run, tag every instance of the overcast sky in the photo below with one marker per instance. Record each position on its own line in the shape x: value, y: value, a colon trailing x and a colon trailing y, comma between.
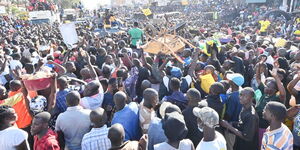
x: 92, y: 4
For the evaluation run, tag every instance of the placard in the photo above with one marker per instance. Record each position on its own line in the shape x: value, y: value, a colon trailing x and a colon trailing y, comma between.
x: 69, y: 34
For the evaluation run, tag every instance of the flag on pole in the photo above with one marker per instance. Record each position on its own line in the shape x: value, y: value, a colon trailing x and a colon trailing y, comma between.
x: 147, y: 12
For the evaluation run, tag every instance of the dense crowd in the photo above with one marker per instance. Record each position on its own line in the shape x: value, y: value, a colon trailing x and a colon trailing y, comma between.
x: 237, y: 89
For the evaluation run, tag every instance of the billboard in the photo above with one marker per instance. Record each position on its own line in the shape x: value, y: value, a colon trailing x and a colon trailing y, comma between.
x: 256, y: 1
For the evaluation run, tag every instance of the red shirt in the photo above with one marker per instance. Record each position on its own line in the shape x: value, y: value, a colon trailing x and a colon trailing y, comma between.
x: 47, y: 142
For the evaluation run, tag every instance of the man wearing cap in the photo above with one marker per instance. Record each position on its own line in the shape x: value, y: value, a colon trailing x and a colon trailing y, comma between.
x: 156, y: 133
x: 175, y: 130
x: 208, y: 119
x: 233, y: 105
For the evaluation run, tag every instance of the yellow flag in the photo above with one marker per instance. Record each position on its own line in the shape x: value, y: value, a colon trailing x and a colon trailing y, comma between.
x: 147, y: 12
x: 206, y: 82
x: 184, y: 2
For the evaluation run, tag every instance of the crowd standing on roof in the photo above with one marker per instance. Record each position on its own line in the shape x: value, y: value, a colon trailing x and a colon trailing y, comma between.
x: 238, y: 89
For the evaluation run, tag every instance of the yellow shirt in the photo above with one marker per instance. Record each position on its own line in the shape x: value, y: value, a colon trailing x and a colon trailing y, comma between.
x: 264, y: 25
x: 297, y: 32
x: 297, y: 20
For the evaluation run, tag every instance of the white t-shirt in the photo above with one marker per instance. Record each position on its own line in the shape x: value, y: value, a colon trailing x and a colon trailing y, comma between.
x: 218, y: 144
x: 14, y: 63
x: 12, y: 137
x: 3, y: 80
x: 185, y: 144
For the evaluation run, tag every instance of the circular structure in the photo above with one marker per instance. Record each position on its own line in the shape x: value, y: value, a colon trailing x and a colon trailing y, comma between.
x: 278, y: 13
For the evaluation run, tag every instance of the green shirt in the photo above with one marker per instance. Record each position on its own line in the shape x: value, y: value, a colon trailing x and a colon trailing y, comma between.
x: 136, y: 34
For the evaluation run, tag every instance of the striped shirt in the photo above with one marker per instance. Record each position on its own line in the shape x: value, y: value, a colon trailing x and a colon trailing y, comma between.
x: 279, y: 139
x: 96, y: 139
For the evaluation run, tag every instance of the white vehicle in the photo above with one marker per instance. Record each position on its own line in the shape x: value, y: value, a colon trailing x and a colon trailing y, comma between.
x: 70, y: 14
x: 38, y: 17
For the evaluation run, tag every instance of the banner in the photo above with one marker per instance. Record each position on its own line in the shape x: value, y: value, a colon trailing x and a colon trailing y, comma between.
x: 184, y: 2
x: 147, y: 12
x: 69, y: 34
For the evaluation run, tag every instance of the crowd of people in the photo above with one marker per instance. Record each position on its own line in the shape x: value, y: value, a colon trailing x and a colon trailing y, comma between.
x: 237, y: 91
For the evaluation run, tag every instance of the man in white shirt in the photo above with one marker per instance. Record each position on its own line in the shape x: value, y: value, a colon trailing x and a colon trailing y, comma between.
x: 93, y: 95
x: 11, y: 138
x: 73, y: 123
x: 97, y: 138
x: 208, y: 119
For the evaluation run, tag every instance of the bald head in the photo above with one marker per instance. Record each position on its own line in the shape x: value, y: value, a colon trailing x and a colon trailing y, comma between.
x: 116, y: 134
x: 43, y: 116
x: 85, y: 73
x: 146, y: 84
x: 98, y: 117
x: 193, y: 96
x: 120, y: 100
x: 62, y: 83
x: 92, y: 88
x: 15, y: 85
x: 73, y: 98
x: 150, y: 98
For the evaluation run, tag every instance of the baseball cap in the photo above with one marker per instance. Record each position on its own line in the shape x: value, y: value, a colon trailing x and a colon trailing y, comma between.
x: 207, y: 115
x: 176, y: 72
x: 174, y: 126
x: 163, y: 107
x: 236, y: 78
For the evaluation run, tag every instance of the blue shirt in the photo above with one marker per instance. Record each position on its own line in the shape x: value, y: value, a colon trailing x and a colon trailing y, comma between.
x: 156, y: 133
x: 108, y: 100
x: 178, y: 99
x: 233, y: 106
x: 187, y: 61
x: 176, y: 96
x: 128, y: 117
x: 61, y: 104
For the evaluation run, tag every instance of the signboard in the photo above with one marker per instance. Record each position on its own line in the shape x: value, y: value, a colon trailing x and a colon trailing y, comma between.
x: 2, y: 10
x: 33, y: 15
x: 256, y: 1
x: 69, y: 34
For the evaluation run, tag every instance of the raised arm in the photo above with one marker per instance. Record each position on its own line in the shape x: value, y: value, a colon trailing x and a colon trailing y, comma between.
x: 61, y: 69
x: 128, y: 59
x: 26, y: 98
x: 192, y: 68
x: 280, y: 86
x: 155, y: 71
x: 66, y: 57
x: 4, y: 64
x: 90, y: 66
x: 52, y: 96
x: 292, y: 84
x: 144, y: 62
x: 293, y: 111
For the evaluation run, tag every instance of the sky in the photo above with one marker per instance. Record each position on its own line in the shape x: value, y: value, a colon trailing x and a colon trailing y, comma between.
x: 92, y: 4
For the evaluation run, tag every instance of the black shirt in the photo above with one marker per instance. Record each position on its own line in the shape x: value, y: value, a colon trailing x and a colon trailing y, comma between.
x: 248, y: 125
x: 190, y: 119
